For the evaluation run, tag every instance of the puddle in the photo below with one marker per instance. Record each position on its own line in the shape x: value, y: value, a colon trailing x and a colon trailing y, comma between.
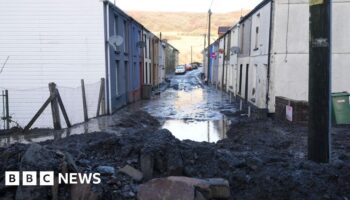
x: 200, y: 131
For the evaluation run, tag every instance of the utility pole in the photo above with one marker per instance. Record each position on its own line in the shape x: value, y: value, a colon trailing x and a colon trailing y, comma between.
x: 320, y: 81
x: 191, y: 55
x: 209, y: 27
x: 205, y: 38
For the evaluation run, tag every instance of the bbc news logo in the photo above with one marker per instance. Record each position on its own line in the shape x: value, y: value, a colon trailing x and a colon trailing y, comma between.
x: 46, y: 178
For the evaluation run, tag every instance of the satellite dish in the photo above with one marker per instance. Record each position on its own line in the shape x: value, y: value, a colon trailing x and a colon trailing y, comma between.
x: 115, y: 41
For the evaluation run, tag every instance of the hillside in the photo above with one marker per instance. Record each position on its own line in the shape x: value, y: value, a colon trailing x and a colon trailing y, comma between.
x: 184, y: 30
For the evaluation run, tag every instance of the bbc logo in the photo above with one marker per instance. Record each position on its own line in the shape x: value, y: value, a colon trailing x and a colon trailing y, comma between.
x: 29, y: 178
x: 46, y: 178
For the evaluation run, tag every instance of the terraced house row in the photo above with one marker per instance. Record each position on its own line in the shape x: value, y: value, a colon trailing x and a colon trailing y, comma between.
x: 263, y: 60
x: 64, y: 41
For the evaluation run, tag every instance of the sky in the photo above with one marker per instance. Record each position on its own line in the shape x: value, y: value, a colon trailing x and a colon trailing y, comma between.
x: 219, y: 6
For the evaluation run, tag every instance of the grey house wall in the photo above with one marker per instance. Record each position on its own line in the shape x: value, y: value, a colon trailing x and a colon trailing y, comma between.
x: 119, y: 60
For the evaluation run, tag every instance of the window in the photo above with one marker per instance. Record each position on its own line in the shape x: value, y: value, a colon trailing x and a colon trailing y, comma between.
x: 115, y: 26
x: 126, y: 37
x: 246, y: 82
x: 240, y: 79
x: 256, y: 38
x: 149, y: 48
x: 242, y: 39
x: 145, y: 47
x: 139, y: 40
x: 126, y: 76
x: 228, y: 46
x: 117, y: 78
x: 150, y: 73
x: 146, y: 77
x: 254, y: 79
x: 134, y: 81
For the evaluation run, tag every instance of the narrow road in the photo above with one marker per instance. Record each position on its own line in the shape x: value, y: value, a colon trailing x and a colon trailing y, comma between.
x: 190, y: 109
x: 187, y: 107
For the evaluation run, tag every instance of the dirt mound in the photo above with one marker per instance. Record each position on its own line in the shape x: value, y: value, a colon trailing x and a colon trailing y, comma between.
x: 261, y: 160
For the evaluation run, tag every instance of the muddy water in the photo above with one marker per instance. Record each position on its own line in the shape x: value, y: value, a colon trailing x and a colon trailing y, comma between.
x: 200, y: 131
x: 191, y: 110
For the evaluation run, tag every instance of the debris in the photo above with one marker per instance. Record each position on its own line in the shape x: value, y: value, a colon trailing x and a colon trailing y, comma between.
x: 83, y: 192
x: 147, y: 164
x: 106, y: 170
x: 185, y: 188
x: 132, y: 172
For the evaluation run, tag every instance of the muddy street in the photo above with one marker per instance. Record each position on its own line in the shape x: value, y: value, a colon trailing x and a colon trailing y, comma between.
x: 190, y: 109
x: 184, y: 105
x: 188, y: 136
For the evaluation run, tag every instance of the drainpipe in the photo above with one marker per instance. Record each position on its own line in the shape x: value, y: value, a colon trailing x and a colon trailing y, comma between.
x: 108, y: 57
x: 223, y: 65
x: 269, y: 58
x: 143, y: 60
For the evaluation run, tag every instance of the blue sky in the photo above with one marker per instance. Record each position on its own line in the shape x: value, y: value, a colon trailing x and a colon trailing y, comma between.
x: 186, y: 5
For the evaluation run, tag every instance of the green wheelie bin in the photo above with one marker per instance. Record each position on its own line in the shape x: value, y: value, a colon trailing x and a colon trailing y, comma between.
x: 341, y: 108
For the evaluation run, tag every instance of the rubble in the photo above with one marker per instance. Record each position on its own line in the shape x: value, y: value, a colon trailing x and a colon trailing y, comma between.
x: 132, y: 172
x: 185, y: 188
x: 258, y: 160
x: 106, y: 170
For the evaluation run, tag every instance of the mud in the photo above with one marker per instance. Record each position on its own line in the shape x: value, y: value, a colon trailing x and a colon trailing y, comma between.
x: 262, y: 159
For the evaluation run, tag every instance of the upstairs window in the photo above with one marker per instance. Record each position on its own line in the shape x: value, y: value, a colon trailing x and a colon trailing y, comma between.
x: 115, y: 26
x: 126, y: 37
x: 256, y: 38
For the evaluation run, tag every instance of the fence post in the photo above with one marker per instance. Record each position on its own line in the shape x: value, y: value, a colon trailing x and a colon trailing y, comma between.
x: 7, y: 109
x: 86, y: 117
x: 54, y: 107
x: 101, y: 99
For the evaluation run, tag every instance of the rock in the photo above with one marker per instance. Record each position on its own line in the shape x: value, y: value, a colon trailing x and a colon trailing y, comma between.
x: 38, y: 158
x: 174, y: 164
x: 106, y: 170
x: 33, y: 192
x: 165, y: 189
x: 83, y: 192
x: 147, y: 164
x: 131, y: 161
x: 338, y: 163
x: 132, y: 172
x: 219, y: 188
x: 185, y: 188
x: 69, y: 162
x: 84, y: 162
x: 131, y: 194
